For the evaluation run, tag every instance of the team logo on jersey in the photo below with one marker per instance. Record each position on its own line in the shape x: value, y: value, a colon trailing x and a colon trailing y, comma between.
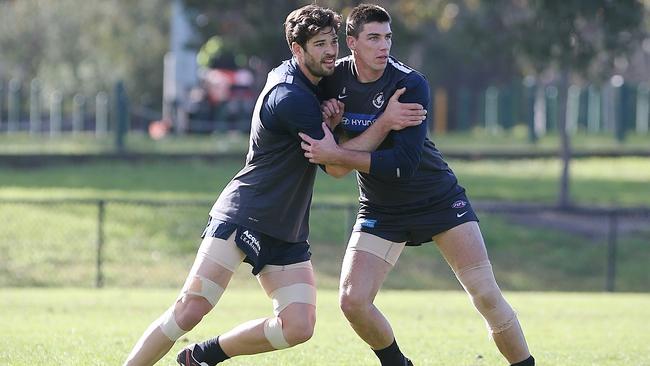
x: 342, y: 94
x: 459, y: 204
x: 378, y: 100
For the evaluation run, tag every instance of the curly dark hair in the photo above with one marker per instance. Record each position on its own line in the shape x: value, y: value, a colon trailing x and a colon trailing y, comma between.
x: 363, y: 14
x: 304, y: 23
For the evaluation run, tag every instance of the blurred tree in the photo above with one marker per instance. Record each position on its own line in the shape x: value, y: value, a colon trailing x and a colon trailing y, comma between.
x: 452, y: 42
x: 249, y: 32
x: 86, y: 46
x: 447, y: 40
x: 575, y: 37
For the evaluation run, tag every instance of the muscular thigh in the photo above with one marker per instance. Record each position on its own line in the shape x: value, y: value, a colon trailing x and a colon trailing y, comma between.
x: 273, y: 277
x: 462, y: 245
x: 216, y: 260
x: 292, y: 289
x: 367, y: 261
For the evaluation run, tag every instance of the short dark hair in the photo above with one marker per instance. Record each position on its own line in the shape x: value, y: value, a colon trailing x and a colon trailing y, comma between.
x: 363, y: 14
x: 304, y: 23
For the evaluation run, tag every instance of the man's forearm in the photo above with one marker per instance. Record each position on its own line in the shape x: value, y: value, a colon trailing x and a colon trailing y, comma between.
x: 369, y: 140
x: 351, y: 159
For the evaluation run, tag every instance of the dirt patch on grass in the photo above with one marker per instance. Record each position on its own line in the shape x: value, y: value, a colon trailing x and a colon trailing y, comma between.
x: 590, y: 226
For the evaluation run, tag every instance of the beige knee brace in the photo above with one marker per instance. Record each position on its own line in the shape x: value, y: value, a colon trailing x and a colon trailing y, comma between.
x: 481, y: 286
x: 282, y: 297
x: 197, y: 286
x: 273, y: 333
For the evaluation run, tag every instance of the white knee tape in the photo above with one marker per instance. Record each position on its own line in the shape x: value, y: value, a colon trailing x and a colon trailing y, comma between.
x: 169, y: 326
x: 223, y: 252
x: 273, y: 333
x: 298, y: 292
x: 481, y: 286
x: 206, y: 288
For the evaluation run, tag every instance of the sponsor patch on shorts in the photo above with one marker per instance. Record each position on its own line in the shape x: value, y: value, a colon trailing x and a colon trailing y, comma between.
x: 251, y: 239
x: 368, y: 222
x: 459, y: 204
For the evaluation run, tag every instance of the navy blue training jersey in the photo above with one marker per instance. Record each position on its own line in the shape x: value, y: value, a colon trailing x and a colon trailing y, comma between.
x: 406, y: 167
x: 272, y: 193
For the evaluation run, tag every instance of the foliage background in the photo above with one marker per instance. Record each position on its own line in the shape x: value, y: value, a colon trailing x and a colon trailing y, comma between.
x: 87, y: 46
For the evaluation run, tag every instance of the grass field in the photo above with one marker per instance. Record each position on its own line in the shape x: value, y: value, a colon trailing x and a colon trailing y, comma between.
x: 148, y: 248
x: 37, y: 240
x: 616, y: 181
x: 71, y: 327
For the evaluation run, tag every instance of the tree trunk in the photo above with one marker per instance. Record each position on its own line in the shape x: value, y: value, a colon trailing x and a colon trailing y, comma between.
x: 565, y: 142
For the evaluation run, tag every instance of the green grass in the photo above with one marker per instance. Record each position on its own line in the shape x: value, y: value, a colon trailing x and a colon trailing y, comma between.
x: 99, y: 327
x: 614, y: 181
x: 55, y: 244
x: 594, y: 181
x: 22, y: 143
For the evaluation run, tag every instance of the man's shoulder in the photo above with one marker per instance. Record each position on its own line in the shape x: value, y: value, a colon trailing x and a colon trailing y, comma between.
x: 404, y: 71
x: 288, y: 73
x: 344, y: 62
x: 343, y: 68
x: 291, y: 94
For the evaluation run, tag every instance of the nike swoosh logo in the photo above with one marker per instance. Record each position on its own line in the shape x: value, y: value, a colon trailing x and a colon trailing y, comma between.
x: 342, y: 96
x: 461, y: 214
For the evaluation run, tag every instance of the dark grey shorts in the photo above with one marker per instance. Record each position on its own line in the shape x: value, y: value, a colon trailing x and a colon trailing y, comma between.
x: 260, y: 249
x: 418, y: 222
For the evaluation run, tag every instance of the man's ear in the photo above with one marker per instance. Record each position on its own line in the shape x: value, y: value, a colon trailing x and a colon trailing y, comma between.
x: 352, y: 42
x: 297, y: 50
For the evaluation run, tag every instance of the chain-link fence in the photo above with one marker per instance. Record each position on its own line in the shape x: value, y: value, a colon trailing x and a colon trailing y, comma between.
x: 152, y: 243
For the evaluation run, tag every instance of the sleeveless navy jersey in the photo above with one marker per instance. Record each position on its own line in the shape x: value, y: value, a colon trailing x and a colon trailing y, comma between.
x: 272, y: 193
x: 406, y: 167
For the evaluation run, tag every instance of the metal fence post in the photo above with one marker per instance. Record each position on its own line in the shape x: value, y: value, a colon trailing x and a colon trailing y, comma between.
x: 492, y: 110
x: 101, y: 114
x: 78, y: 113
x: 121, y: 115
x: 610, y: 285
x: 101, y: 208
x: 530, y: 92
x: 2, y: 96
x: 13, y: 106
x: 572, y: 109
x: 464, y: 108
x: 35, y: 107
x: 55, y: 113
x: 551, y: 107
x: 594, y: 108
x: 642, y: 108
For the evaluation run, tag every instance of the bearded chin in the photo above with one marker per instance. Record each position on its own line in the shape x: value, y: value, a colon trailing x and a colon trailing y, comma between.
x: 317, y: 70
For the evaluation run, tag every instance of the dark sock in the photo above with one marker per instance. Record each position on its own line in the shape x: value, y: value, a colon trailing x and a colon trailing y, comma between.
x: 391, y: 355
x: 530, y: 361
x: 210, y: 351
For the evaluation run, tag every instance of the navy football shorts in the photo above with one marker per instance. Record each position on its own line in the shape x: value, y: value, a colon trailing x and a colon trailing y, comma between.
x: 416, y: 223
x: 260, y: 249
